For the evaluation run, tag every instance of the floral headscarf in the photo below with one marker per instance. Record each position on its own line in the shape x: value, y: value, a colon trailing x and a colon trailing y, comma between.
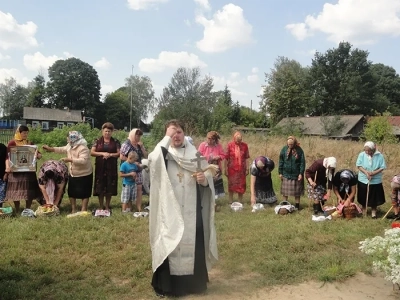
x: 264, y: 164
x: 292, y: 150
x: 76, y: 138
x: 346, y: 174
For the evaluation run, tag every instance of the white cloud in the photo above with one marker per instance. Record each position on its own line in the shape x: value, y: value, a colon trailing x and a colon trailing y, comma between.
x: 7, y: 73
x: 170, y: 60
x: 4, y: 57
x: 252, y: 78
x: 38, y: 61
x: 68, y: 55
x: 187, y: 22
x: 105, y: 89
x: 204, y: 4
x: 236, y: 92
x: 254, y: 70
x: 233, y: 80
x: 103, y: 63
x: 14, y: 35
x: 144, y: 4
x: 227, y: 29
x: 359, y: 22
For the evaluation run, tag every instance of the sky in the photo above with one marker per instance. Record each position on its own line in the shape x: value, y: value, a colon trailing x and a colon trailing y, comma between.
x: 235, y: 42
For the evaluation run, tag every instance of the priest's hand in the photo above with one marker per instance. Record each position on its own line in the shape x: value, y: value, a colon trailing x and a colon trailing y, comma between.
x: 171, y: 130
x: 201, y: 179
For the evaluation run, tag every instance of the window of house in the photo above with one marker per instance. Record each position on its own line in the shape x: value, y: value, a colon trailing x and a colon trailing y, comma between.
x: 70, y: 124
x: 60, y: 125
x: 35, y: 124
x: 45, y: 125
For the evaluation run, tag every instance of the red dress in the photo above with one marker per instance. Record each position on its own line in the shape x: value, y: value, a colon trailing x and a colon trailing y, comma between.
x: 237, y: 167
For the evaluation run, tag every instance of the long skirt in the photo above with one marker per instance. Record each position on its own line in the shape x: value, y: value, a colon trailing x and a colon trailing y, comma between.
x: 376, y: 194
x: 177, y: 286
x: 292, y: 187
x: 237, y: 181
x: 317, y: 193
x: 22, y: 186
x: 219, y: 187
x: 80, y: 187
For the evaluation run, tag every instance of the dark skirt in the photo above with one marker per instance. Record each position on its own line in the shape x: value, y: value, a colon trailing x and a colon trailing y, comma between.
x: 22, y: 186
x: 376, y: 195
x: 292, y: 187
x: 177, y: 286
x: 106, y: 177
x: 219, y: 187
x: 80, y: 187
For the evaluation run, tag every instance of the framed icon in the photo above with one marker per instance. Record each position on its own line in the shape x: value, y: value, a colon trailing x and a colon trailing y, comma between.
x: 23, y: 158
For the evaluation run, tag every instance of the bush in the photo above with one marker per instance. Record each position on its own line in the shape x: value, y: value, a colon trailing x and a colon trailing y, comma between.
x: 58, y: 137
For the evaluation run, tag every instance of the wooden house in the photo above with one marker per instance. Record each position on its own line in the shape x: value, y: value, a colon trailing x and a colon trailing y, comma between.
x: 314, y: 126
x: 49, y: 118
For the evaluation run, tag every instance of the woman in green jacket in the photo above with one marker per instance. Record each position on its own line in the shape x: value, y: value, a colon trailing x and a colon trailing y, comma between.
x: 291, y: 169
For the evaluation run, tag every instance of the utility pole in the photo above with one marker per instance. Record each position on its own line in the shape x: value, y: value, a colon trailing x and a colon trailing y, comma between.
x: 130, y: 114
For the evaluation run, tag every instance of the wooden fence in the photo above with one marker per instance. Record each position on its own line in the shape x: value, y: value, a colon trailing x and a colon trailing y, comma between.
x: 6, y: 135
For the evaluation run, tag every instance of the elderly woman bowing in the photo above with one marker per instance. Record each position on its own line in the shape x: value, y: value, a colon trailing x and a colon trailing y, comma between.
x: 80, y: 168
x: 318, y: 175
x: 370, y: 163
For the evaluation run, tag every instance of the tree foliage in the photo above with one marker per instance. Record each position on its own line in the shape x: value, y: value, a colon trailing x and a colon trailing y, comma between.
x: 13, y: 97
x: 287, y: 92
x: 142, y: 97
x: 342, y: 82
x: 332, y: 126
x: 73, y: 84
x: 116, y: 106
x: 379, y: 130
x: 187, y: 97
x: 37, y: 95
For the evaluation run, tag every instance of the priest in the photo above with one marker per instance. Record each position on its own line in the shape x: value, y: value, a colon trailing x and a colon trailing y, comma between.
x: 182, y: 232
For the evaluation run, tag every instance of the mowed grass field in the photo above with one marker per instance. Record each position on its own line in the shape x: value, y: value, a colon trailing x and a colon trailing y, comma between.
x: 109, y: 258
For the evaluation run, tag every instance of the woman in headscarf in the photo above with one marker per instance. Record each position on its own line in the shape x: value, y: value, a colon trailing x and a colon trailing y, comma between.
x: 214, y: 154
x: 53, y: 177
x: 395, y: 197
x: 345, y: 186
x: 371, y: 163
x: 133, y: 143
x: 21, y: 185
x: 3, y: 174
x: 236, y: 168
x: 106, y: 151
x: 292, y: 164
x: 80, y: 168
x: 318, y: 174
x: 261, y: 188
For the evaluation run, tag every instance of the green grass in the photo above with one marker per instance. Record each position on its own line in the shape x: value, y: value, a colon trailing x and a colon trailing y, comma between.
x: 109, y: 258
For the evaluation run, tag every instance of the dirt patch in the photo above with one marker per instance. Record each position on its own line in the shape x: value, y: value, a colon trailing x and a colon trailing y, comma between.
x: 358, y: 287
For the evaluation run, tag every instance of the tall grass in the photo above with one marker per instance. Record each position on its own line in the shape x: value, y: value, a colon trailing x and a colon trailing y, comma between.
x: 109, y: 258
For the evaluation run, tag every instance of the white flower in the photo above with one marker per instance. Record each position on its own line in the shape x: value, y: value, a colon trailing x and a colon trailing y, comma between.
x: 385, y: 252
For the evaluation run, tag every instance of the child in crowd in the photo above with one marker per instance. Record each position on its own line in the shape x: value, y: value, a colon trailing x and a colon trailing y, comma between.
x: 128, y: 171
x: 3, y: 173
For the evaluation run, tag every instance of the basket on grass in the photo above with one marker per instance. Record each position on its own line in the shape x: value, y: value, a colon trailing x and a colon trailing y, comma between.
x: 47, y: 210
x: 350, y: 212
x: 6, y: 211
x: 328, y: 210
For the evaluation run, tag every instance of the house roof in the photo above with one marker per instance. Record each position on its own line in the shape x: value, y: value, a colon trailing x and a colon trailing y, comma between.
x: 313, y: 126
x: 49, y: 114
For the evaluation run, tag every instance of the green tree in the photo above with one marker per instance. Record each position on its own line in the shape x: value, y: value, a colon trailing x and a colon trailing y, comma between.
x: 13, y: 97
x: 342, y: 82
x: 387, y: 88
x: 73, y: 84
x: 116, y: 104
x: 189, y: 98
x: 287, y: 92
x: 37, y: 94
x: 332, y: 125
x: 143, y: 100
x: 379, y: 130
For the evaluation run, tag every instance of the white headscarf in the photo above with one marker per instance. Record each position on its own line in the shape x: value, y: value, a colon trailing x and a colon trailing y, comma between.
x: 370, y: 145
x: 329, y: 162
